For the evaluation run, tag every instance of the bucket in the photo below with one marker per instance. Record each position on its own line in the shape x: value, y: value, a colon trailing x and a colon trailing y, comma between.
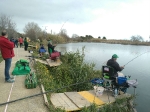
x: 98, y: 90
x: 121, y: 80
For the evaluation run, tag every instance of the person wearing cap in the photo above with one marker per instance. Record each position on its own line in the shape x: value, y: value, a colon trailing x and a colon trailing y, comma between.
x: 113, y: 63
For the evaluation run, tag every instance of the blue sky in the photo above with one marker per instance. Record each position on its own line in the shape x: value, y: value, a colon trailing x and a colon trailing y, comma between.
x: 115, y: 19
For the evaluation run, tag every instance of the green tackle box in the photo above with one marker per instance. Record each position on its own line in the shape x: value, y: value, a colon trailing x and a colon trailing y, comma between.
x: 31, y: 81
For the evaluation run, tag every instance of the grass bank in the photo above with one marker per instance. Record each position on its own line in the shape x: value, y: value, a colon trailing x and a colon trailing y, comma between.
x: 74, y: 70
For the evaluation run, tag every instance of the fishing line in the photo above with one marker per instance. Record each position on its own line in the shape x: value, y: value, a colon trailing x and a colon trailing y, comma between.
x: 62, y: 27
x: 8, y: 102
x: 136, y: 57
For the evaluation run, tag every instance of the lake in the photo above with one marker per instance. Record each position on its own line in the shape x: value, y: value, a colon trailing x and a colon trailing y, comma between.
x: 136, y: 59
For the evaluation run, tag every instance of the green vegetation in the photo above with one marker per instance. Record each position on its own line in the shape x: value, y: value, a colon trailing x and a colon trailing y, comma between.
x: 74, y: 70
x: 120, y: 105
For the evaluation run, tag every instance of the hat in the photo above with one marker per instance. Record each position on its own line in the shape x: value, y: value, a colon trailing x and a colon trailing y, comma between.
x: 115, y: 56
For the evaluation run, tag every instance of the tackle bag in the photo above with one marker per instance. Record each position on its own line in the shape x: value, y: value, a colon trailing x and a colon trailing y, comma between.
x: 21, y: 68
x: 97, y: 81
x: 54, y: 55
x: 31, y: 81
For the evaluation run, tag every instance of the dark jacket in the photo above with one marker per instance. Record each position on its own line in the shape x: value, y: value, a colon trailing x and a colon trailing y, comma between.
x: 50, y: 46
x: 114, y: 65
x: 25, y: 42
x: 6, y: 47
x: 16, y: 41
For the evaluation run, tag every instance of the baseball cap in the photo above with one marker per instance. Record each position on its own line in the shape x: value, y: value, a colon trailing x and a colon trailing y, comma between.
x: 115, y: 56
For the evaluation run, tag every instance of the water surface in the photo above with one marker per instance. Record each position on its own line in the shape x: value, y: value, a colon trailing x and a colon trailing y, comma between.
x: 136, y: 59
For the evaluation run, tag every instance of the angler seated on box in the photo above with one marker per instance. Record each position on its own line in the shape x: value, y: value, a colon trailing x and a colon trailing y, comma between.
x: 42, y: 50
x: 116, y: 67
x: 110, y: 71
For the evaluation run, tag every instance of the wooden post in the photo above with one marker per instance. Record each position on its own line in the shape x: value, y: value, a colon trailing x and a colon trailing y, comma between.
x: 44, y: 95
x: 57, y: 60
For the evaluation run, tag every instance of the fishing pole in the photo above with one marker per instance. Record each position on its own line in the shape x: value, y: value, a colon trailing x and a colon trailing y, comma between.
x: 61, y: 28
x: 136, y: 57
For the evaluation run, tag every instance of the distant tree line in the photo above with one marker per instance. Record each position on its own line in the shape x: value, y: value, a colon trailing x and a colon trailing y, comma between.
x: 75, y: 37
x: 34, y: 32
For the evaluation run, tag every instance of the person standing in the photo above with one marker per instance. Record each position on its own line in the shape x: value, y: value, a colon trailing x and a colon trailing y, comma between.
x: 20, y: 41
x: 16, y: 42
x: 6, y: 47
x: 50, y: 47
x: 25, y: 44
x: 13, y: 40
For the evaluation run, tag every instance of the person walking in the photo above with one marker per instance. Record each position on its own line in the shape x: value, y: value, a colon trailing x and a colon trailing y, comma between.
x: 20, y: 41
x: 6, y: 48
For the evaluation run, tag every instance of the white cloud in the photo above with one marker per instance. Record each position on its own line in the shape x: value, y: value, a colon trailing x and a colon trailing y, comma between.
x: 129, y: 19
x: 113, y: 19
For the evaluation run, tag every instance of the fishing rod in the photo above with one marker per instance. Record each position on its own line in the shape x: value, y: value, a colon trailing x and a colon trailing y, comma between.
x: 62, y: 26
x: 48, y: 91
x: 136, y: 57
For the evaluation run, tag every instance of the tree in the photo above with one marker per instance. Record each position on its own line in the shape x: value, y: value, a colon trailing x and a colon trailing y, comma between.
x: 88, y: 37
x: 136, y: 38
x: 75, y: 36
x: 104, y: 37
x: 99, y: 37
x: 7, y: 24
x: 32, y: 30
x: 63, y: 33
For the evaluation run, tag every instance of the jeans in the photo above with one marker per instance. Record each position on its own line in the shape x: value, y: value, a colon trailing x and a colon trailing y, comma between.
x: 20, y: 45
x: 16, y: 45
x: 25, y: 47
x: 7, y: 67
